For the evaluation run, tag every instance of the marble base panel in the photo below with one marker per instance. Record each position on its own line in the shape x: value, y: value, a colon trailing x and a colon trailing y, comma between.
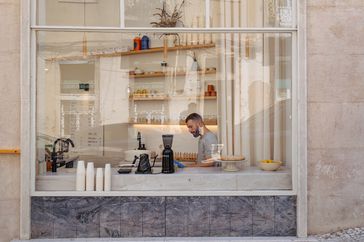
x: 94, y: 217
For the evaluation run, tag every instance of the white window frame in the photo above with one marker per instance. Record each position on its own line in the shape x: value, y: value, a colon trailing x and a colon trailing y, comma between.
x: 28, y: 109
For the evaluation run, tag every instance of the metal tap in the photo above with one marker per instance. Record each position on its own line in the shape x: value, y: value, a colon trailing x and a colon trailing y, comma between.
x: 57, y: 156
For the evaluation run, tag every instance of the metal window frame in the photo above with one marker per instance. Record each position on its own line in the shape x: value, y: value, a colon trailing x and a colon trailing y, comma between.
x: 29, y: 28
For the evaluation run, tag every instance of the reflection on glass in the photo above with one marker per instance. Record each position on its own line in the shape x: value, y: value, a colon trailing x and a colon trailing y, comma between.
x: 103, y: 13
x: 251, y: 13
x: 101, y: 99
x: 166, y: 13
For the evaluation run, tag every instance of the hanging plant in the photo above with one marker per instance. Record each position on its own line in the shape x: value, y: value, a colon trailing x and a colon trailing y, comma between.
x: 167, y: 19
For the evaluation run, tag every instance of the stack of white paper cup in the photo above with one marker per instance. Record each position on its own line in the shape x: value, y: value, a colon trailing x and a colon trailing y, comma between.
x: 99, y: 180
x: 107, y: 184
x: 90, y: 177
x: 80, y: 176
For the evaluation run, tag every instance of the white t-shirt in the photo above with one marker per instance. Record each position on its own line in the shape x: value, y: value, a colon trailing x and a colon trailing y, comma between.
x: 204, y: 145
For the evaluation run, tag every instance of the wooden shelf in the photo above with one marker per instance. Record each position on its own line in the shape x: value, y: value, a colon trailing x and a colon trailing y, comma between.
x: 181, y: 123
x: 173, y: 98
x: 78, y: 97
x: 148, y: 98
x: 159, y: 74
x: 127, y: 53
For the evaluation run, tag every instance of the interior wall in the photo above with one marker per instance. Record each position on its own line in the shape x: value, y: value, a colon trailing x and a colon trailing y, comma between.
x: 79, y: 13
x: 335, y: 115
x: 10, y: 118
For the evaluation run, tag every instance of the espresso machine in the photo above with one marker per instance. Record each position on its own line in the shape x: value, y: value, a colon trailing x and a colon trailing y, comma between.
x: 167, y: 154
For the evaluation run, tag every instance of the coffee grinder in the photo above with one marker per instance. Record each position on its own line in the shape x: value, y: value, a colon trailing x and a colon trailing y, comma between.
x: 167, y: 154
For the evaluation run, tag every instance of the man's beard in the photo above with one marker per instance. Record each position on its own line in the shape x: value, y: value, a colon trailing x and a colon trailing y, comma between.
x: 196, y: 134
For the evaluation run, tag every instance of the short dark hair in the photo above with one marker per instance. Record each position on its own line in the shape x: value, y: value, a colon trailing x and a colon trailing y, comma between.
x: 194, y: 116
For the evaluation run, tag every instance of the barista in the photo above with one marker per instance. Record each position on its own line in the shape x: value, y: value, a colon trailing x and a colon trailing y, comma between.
x: 198, y: 129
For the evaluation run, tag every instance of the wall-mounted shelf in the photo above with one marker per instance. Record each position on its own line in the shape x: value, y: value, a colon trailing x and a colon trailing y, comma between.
x: 173, y: 98
x: 162, y: 74
x: 182, y: 123
x: 78, y: 97
x: 127, y: 53
x: 156, y: 50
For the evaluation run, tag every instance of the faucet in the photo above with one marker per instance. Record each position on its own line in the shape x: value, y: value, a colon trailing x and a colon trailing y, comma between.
x: 55, y: 155
x: 140, y: 145
x: 139, y: 138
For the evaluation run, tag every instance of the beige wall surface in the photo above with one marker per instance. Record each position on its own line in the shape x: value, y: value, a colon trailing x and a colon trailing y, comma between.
x: 10, y: 118
x: 335, y: 114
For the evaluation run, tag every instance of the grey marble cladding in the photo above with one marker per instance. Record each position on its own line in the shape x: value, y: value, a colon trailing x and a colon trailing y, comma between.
x: 194, y: 216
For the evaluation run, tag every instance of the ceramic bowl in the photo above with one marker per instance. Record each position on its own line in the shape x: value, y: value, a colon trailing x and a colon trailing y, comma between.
x: 270, y: 165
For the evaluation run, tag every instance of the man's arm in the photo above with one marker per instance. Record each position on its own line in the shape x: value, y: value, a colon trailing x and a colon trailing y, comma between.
x: 209, y: 140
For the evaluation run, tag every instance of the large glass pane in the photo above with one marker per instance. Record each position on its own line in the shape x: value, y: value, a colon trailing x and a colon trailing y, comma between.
x: 251, y: 13
x: 94, y: 89
x: 105, y: 13
x: 177, y: 13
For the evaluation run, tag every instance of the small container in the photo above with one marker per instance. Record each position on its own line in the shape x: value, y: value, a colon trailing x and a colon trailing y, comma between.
x: 137, y: 43
x: 207, y: 94
x: 80, y: 176
x: 138, y: 71
x: 107, y: 177
x: 270, y: 165
x: 145, y: 43
x: 99, y: 180
x: 90, y: 177
x: 210, y: 88
x: 216, y: 150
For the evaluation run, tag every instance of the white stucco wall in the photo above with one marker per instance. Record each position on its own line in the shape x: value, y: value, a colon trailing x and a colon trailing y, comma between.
x: 9, y: 118
x: 335, y: 114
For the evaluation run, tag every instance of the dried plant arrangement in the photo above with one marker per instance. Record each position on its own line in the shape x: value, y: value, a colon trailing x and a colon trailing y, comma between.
x: 167, y: 19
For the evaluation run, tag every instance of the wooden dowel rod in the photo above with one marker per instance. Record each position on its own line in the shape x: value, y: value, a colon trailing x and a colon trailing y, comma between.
x: 9, y: 151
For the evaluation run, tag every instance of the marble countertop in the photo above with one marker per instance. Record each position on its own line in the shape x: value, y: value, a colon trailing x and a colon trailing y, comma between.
x: 186, y: 179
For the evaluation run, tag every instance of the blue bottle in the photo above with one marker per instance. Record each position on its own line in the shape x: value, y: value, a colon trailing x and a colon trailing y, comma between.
x: 145, y: 42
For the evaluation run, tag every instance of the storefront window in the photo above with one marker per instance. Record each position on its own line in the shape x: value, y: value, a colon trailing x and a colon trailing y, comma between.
x: 105, y: 97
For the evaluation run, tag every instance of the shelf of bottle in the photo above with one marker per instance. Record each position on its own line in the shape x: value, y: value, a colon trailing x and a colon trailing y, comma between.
x: 181, y: 123
x: 158, y: 49
x: 168, y: 74
x: 131, y: 52
x: 140, y: 98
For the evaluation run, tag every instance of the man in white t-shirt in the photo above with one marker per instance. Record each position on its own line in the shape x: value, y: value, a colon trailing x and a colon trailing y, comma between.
x: 198, y: 129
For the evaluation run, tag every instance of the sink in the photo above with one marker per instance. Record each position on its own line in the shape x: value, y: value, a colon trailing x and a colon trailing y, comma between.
x: 69, y: 162
x: 66, y: 170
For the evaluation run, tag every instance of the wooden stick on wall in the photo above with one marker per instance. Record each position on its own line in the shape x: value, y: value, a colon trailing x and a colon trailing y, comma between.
x: 9, y: 151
